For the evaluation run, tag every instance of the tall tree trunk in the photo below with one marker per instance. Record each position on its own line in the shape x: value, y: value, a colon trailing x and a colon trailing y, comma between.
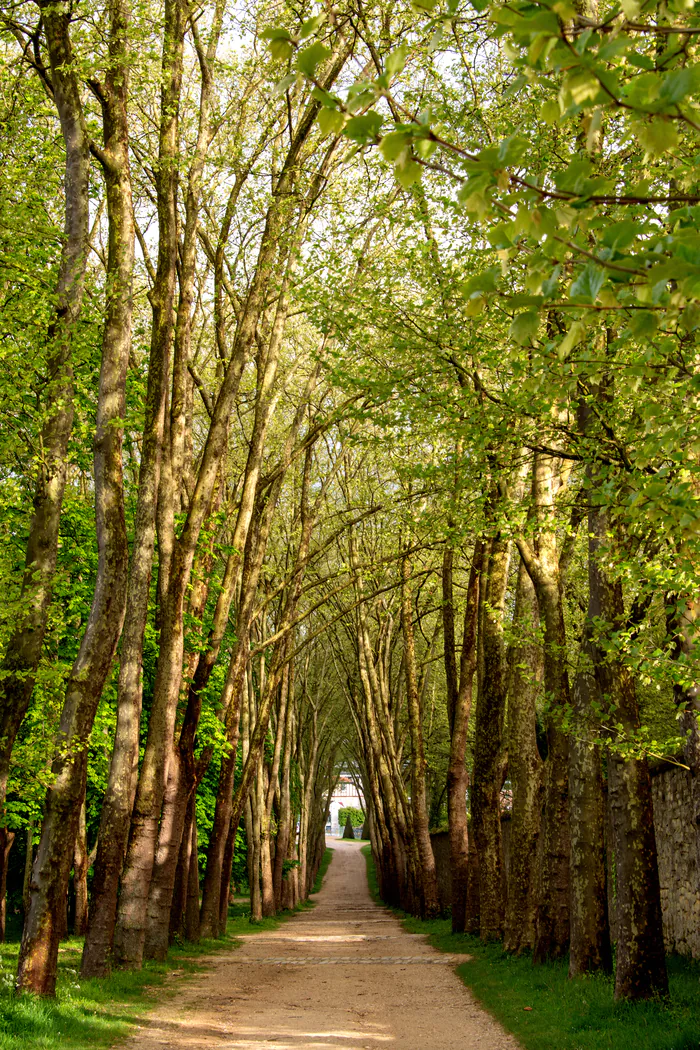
x: 489, y: 764
x: 192, y: 906
x: 39, y: 949
x: 542, y: 564
x: 590, y: 934
x: 640, y: 970
x: 24, y: 646
x: 80, y: 873
x: 284, y: 829
x: 428, y: 888
x: 524, y: 768
x: 7, y: 838
x: 459, y: 694
x: 118, y: 802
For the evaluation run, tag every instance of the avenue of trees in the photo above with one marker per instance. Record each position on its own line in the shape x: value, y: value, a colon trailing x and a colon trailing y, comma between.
x: 350, y: 424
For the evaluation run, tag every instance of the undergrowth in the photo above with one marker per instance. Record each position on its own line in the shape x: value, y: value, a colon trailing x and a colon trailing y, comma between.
x: 547, y: 1011
x: 92, y: 1014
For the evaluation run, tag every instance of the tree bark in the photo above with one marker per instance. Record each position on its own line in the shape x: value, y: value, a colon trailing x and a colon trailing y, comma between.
x: 429, y: 899
x: 590, y: 934
x: 524, y: 768
x: 542, y: 564
x: 489, y: 764
x: 80, y: 873
x: 7, y: 838
x: 459, y: 712
x: 640, y: 970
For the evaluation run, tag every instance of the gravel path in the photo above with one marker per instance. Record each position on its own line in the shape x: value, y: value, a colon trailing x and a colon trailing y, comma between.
x: 344, y: 974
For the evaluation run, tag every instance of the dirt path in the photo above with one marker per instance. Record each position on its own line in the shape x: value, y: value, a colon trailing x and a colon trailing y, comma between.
x: 344, y: 974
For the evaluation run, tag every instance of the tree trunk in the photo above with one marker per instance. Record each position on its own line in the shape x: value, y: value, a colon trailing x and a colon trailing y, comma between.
x: 226, y: 868
x: 553, y: 889
x: 39, y: 949
x: 80, y: 873
x: 524, y: 768
x: 488, y: 743
x: 429, y: 899
x: 24, y: 646
x: 459, y: 694
x: 640, y: 970
x: 7, y: 838
x: 192, y: 905
x: 590, y: 934
x: 284, y: 829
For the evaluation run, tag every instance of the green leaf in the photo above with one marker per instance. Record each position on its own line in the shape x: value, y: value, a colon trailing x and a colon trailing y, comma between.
x: 677, y: 85
x: 311, y: 25
x: 286, y: 82
x: 621, y: 234
x: 396, y: 61
x: 572, y: 338
x: 513, y: 149
x: 644, y: 324
x: 588, y: 283
x: 550, y: 112
x: 482, y: 282
x: 311, y: 57
x: 525, y: 327
x: 280, y: 43
x: 330, y: 121
x: 392, y: 145
x: 657, y: 137
x: 408, y: 172
x: 364, y: 128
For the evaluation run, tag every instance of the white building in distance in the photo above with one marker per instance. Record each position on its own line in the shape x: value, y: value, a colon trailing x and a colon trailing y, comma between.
x: 344, y: 794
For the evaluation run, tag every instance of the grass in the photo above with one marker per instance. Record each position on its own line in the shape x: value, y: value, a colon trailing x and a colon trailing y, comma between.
x: 323, y: 868
x: 95, y: 1014
x: 564, y: 1014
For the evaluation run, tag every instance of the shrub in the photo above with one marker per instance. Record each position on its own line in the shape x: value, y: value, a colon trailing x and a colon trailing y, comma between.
x: 351, y: 813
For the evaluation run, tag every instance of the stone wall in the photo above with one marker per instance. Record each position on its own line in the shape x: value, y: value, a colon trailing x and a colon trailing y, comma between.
x: 678, y: 866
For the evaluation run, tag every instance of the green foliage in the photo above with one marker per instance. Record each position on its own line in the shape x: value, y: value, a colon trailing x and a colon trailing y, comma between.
x: 352, y: 814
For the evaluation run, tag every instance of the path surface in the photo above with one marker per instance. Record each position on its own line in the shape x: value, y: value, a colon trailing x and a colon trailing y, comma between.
x: 344, y: 974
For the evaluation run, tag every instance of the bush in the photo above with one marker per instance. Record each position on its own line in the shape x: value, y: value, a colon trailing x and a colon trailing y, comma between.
x: 351, y: 813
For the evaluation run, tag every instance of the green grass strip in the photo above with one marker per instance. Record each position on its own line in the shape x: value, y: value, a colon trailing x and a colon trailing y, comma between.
x: 565, y: 1014
x: 323, y: 868
x: 87, y: 1015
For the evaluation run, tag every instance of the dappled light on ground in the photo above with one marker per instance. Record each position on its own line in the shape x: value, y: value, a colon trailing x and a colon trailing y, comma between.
x: 344, y: 974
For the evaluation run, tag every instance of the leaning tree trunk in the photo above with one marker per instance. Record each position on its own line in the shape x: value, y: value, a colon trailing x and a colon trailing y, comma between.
x: 39, y: 949
x: 24, y: 646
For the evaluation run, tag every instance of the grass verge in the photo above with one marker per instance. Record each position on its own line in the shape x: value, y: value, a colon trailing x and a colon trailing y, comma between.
x: 547, y: 1011
x: 95, y: 1014
x: 323, y: 868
